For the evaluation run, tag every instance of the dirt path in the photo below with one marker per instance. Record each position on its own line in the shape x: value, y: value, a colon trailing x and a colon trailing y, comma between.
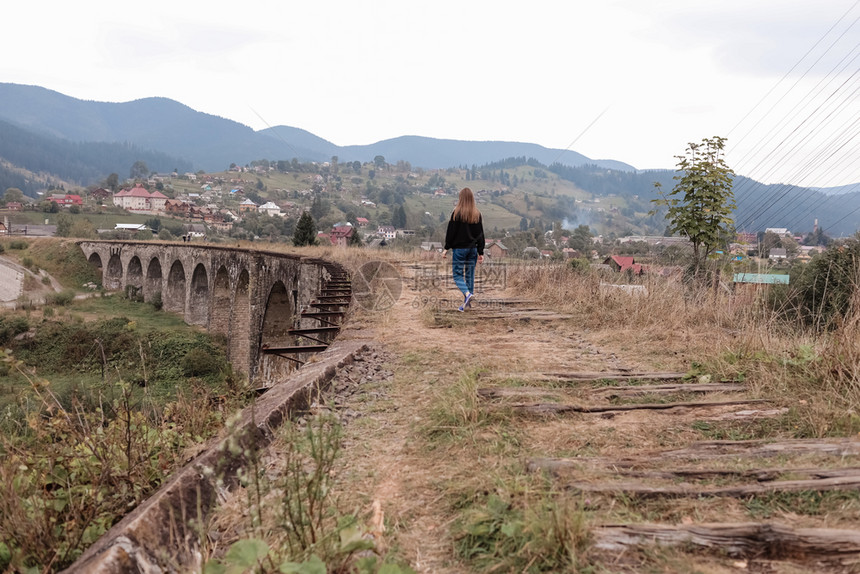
x: 398, y: 463
x: 426, y: 475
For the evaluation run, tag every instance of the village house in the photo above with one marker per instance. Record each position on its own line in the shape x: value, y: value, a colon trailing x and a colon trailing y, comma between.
x: 777, y: 254
x: 247, y: 206
x: 14, y: 206
x: 270, y: 208
x: 341, y: 235
x: 100, y: 194
x: 139, y: 199
x: 3, y: 229
x: 495, y: 249
x: 185, y: 210
x: 66, y: 200
x: 386, y: 231
x: 362, y: 221
x: 781, y: 231
x: 621, y: 264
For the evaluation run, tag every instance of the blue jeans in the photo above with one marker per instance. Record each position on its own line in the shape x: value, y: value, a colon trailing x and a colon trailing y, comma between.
x: 463, y: 263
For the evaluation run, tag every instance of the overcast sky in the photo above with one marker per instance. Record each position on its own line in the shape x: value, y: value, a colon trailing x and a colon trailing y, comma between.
x: 630, y: 80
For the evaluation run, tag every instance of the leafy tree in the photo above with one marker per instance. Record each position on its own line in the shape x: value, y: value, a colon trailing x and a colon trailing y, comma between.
x: 84, y: 229
x: 319, y: 208
x: 356, y: 166
x: 306, y: 231
x: 154, y: 224
x: 379, y: 161
x: 581, y: 239
x: 817, y: 237
x: 398, y: 218
x: 139, y: 170
x: 701, y: 203
x: 64, y: 225
x: 112, y: 182
x: 13, y: 194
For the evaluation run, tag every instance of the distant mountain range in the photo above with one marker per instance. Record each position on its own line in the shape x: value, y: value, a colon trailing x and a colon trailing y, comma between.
x: 212, y: 143
x: 47, y: 137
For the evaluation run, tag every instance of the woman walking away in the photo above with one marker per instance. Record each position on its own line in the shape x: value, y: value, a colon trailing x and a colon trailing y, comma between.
x: 465, y: 237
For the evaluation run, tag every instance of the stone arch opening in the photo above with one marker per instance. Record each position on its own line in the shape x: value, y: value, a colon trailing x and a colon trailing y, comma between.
x: 198, y: 304
x: 134, y: 277
x: 278, y: 317
x: 153, y: 279
x: 220, y: 314
x: 113, y: 274
x: 174, y: 299
x: 240, y: 324
x: 275, y: 332
x: 95, y: 261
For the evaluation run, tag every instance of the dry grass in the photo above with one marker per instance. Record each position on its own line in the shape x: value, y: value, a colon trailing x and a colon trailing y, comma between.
x: 447, y: 470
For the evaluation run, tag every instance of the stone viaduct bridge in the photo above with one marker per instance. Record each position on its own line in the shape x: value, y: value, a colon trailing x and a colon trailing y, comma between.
x: 274, y: 309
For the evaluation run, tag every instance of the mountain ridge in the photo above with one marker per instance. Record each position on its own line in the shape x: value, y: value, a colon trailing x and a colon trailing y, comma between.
x: 212, y: 143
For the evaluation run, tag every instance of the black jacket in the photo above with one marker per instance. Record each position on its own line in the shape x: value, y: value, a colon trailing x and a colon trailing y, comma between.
x: 462, y: 235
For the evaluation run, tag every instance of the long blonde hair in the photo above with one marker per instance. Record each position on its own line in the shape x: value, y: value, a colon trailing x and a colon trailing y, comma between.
x: 466, y: 210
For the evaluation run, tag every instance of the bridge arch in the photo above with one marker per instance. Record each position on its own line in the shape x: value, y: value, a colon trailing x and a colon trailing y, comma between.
x: 134, y: 274
x: 153, y: 281
x: 219, y: 321
x: 239, y: 352
x: 174, y: 298
x: 95, y: 262
x: 278, y: 317
x: 198, y: 299
x: 113, y: 274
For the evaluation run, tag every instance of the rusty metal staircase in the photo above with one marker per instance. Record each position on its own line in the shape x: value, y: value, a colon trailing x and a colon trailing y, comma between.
x: 328, y: 308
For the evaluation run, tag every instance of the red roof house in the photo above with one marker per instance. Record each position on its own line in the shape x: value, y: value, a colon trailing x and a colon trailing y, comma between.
x: 340, y: 235
x: 622, y: 264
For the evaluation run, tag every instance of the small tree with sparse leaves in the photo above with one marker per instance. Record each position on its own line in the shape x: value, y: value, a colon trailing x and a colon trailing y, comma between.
x: 702, y: 202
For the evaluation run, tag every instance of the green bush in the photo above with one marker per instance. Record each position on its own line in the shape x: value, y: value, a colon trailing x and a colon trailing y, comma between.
x: 820, y: 293
x: 19, y: 245
x: 157, y: 302
x: 62, y: 299
x: 134, y: 293
x: 11, y: 327
x: 199, y: 362
x: 579, y: 265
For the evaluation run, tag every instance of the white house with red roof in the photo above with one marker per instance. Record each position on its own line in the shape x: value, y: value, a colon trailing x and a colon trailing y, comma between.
x: 139, y: 199
x: 66, y: 200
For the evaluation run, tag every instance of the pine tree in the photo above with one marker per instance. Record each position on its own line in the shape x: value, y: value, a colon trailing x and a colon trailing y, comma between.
x: 306, y: 231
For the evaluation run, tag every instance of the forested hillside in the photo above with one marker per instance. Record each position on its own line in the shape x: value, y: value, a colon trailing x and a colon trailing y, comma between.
x: 53, y: 160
